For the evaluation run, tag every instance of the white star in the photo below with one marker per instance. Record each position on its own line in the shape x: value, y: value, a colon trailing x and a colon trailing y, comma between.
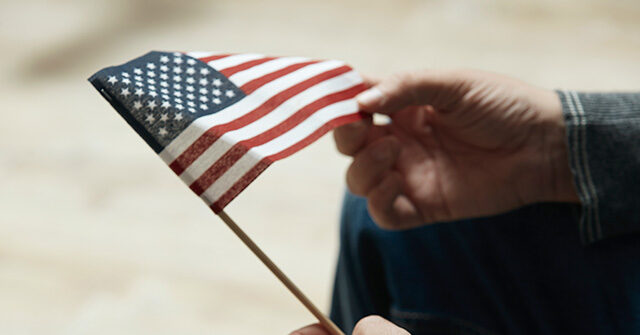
x: 125, y: 92
x: 150, y: 118
x: 203, y: 98
x: 203, y: 107
x: 190, y: 80
x: 179, y: 107
x: 164, y: 76
x: 191, y: 61
x: 151, y: 74
x: 151, y: 104
x: 204, y: 71
x: 192, y: 110
x: 177, y: 69
x: 216, y: 92
x: 137, y: 105
x: 191, y: 70
x: 203, y: 81
x: 177, y: 60
x: 178, y: 117
x: 164, y: 68
x: 165, y: 104
x: 190, y: 88
x: 177, y: 78
x: 216, y: 101
x: 153, y: 94
x: 164, y: 59
x: 177, y: 86
x: 162, y: 131
x: 139, y: 84
x: 164, y: 117
x: 137, y: 71
x: 139, y: 92
x: 151, y: 81
x: 164, y: 91
x: 164, y: 84
x: 178, y: 100
x: 230, y: 94
x: 151, y: 66
x: 137, y: 78
x: 190, y: 96
x: 177, y: 54
x: 190, y: 104
x: 203, y: 91
x: 124, y: 74
x: 126, y: 81
x: 165, y: 96
x: 217, y: 82
x: 151, y: 87
x: 112, y: 80
x: 177, y: 93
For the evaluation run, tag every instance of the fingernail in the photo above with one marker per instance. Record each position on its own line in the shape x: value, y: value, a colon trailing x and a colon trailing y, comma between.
x: 370, y: 97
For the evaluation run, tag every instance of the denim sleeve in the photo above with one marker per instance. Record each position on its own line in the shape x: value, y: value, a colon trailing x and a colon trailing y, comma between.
x: 603, y: 137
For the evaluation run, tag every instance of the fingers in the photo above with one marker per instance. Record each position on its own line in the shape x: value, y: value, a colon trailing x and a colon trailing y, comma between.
x: 372, y: 175
x: 314, y: 329
x: 375, y: 325
x: 351, y: 137
x: 429, y: 87
x: 371, y: 164
x: 389, y: 208
x: 370, y: 325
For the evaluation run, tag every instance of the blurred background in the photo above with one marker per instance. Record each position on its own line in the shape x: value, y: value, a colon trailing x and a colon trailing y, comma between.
x: 97, y: 236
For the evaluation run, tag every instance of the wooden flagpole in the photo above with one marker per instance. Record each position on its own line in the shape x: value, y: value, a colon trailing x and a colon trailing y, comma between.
x: 324, y: 320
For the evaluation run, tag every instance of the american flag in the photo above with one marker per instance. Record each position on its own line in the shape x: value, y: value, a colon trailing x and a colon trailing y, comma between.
x: 219, y: 120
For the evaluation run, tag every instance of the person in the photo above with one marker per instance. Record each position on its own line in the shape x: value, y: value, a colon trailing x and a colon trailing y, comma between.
x: 489, y: 206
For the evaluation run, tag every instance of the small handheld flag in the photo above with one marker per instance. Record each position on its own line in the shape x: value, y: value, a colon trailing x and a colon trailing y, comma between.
x: 219, y: 120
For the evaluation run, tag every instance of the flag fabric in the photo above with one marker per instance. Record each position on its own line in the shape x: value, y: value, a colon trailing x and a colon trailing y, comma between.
x: 219, y: 120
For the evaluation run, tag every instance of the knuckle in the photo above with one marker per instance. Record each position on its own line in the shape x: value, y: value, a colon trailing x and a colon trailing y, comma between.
x: 343, y: 147
x: 379, y: 217
x: 343, y: 144
x: 381, y: 213
x: 349, y: 138
x: 354, y: 182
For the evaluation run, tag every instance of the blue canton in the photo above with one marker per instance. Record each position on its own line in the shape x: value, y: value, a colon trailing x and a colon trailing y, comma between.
x: 161, y: 93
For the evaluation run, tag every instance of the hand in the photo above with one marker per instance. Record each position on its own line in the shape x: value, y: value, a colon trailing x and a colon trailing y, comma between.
x: 460, y: 144
x: 370, y: 325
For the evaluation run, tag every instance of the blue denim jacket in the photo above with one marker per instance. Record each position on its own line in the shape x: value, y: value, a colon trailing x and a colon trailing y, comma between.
x: 543, y: 269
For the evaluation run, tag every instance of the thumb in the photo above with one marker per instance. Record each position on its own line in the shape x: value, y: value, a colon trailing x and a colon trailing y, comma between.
x: 375, y: 325
x: 428, y: 87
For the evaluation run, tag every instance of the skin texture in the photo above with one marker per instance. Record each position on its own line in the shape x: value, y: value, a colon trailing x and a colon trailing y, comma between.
x: 460, y: 144
x: 370, y: 325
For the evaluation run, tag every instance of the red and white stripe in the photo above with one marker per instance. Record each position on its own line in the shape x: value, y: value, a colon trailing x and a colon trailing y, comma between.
x: 290, y: 102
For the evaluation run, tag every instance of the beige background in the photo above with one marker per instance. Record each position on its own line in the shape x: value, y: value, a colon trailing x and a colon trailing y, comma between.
x: 97, y: 236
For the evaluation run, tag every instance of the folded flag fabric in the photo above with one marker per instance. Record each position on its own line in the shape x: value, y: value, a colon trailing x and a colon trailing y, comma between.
x: 219, y: 120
